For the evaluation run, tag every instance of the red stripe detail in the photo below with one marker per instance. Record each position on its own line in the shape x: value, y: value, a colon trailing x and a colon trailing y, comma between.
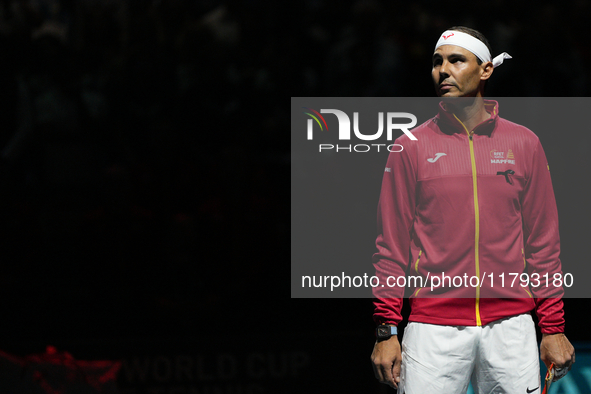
x: 316, y: 112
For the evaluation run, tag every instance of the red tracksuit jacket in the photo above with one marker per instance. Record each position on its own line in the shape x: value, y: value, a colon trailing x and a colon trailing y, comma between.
x: 478, y: 203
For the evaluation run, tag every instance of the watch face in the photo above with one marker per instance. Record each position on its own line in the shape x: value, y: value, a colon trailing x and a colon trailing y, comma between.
x: 383, y: 331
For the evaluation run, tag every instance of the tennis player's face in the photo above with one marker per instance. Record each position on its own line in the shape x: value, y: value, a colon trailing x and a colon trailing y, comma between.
x: 456, y: 72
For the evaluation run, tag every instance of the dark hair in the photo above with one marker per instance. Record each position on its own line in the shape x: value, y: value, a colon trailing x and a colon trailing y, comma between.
x: 473, y: 33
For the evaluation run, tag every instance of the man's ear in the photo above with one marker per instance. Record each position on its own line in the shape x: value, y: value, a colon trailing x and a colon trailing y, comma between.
x: 487, y: 70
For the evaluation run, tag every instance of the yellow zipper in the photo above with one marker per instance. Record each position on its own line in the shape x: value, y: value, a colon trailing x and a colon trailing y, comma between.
x: 417, y: 269
x: 523, y: 255
x: 476, y: 218
x: 527, y: 291
x: 417, y: 262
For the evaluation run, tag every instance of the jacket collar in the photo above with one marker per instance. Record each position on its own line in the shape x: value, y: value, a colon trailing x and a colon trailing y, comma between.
x: 449, y: 124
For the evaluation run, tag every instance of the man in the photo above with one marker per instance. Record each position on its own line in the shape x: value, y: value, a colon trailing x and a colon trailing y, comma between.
x: 471, y: 197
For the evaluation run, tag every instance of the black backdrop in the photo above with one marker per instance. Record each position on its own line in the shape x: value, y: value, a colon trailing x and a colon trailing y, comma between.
x: 145, y: 147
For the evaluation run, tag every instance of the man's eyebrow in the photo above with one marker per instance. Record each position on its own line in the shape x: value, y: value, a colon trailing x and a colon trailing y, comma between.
x: 460, y: 55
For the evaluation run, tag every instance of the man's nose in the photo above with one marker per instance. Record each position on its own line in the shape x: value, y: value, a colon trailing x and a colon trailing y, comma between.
x: 443, y: 69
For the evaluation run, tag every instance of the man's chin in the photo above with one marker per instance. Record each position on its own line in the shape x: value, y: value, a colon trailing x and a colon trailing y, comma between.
x: 458, y: 101
x: 449, y: 97
x: 448, y: 94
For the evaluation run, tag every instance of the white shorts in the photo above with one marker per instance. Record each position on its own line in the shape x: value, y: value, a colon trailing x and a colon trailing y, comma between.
x: 501, y: 357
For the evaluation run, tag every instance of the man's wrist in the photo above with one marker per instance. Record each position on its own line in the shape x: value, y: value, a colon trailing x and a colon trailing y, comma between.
x: 551, y: 334
x: 386, y: 331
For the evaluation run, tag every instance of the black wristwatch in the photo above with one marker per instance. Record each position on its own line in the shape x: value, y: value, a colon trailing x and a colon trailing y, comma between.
x: 385, y: 332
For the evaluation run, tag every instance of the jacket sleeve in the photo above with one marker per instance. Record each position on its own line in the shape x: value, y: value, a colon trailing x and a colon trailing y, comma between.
x: 542, y: 242
x: 396, y: 212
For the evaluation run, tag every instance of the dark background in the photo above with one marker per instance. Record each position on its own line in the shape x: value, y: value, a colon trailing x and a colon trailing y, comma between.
x: 144, y: 151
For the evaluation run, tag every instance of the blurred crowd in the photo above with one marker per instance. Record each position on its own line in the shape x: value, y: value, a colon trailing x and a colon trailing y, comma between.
x: 136, y: 182
x: 144, y: 145
x: 383, y: 48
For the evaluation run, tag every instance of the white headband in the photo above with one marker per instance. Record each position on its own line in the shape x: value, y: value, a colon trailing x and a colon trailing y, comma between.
x: 473, y: 44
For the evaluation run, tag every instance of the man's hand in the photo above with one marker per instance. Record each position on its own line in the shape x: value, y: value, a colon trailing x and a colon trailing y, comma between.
x: 386, y: 358
x: 555, y: 348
